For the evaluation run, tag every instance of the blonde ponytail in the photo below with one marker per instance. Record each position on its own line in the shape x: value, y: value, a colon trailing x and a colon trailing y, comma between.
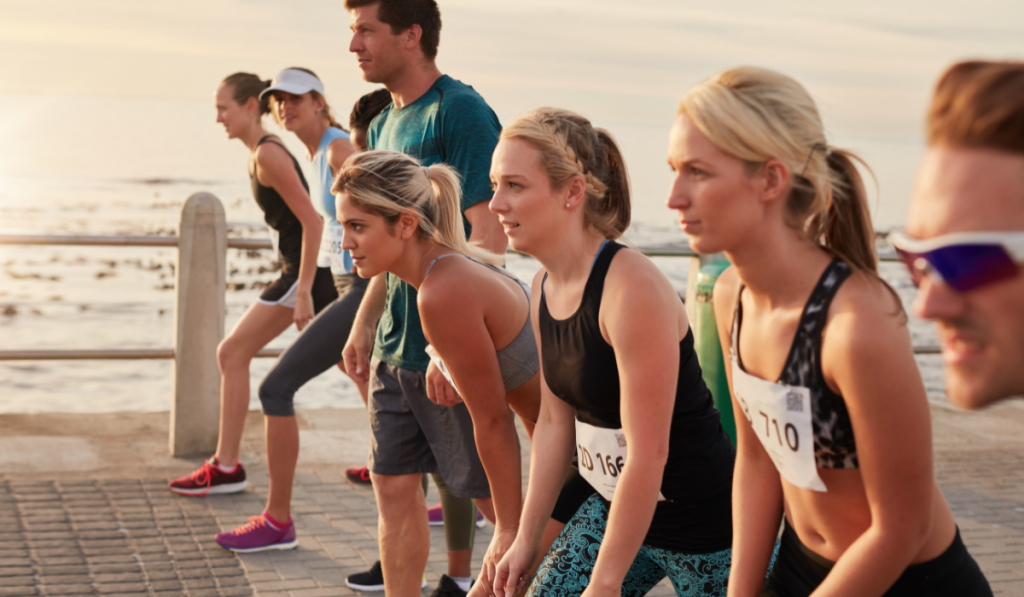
x: 390, y: 183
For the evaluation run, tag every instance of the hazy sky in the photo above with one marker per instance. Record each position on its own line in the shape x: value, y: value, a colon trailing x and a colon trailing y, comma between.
x: 123, y: 88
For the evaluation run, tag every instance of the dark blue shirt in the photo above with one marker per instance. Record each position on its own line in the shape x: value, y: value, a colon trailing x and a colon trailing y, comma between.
x: 449, y: 123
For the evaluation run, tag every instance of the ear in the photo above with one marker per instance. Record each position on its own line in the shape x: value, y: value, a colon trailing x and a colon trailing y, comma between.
x: 408, y: 224
x: 575, y: 191
x: 411, y: 37
x: 773, y: 180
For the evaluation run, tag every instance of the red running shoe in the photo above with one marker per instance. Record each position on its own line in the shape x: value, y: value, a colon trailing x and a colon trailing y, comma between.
x: 209, y: 479
x: 359, y: 475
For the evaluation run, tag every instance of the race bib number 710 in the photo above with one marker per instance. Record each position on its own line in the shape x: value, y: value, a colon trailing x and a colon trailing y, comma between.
x: 781, y: 417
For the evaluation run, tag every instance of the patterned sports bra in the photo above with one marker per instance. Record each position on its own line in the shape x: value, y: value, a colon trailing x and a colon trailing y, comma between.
x: 834, y: 444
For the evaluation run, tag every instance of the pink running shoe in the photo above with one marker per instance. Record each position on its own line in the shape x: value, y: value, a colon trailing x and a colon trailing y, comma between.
x: 435, y: 517
x: 259, y: 534
x: 209, y: 479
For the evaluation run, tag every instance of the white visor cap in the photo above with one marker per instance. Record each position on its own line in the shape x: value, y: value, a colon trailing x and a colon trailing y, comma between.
x: 295, y: 81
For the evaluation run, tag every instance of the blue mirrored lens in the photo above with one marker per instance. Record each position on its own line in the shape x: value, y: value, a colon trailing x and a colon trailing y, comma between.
x: 965, y: 267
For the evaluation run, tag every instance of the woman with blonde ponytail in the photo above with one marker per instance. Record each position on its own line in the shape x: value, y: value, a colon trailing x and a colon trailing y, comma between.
x: 620, y: 382
x: 405, y: 219
x: 834, y: 431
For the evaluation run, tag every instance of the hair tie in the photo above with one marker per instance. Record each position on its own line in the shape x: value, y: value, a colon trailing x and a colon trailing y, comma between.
x: 816, y: 147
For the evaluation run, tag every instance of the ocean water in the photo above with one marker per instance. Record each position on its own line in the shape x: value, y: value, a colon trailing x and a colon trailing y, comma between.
x: 107, y: 122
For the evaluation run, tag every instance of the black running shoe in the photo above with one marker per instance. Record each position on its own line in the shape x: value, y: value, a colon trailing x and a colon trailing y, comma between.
x: 371, y: 580
x: 447, y: 587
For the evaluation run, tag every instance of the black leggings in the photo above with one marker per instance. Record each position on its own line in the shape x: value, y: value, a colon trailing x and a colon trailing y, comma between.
x: 315, y: 351
x: 798, y: 572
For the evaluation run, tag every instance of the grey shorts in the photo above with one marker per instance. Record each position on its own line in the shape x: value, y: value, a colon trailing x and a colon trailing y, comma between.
x: 412, y: 435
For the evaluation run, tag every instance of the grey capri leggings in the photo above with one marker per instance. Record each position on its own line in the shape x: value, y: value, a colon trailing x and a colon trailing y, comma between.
x: 315, y: 351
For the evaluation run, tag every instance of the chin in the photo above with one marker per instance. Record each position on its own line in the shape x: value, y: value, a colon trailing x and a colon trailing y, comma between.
x: 704, y: 245
x: 975, y: 389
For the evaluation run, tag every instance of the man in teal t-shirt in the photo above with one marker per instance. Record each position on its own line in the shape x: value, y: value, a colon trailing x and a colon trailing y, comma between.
x: 433, y: 118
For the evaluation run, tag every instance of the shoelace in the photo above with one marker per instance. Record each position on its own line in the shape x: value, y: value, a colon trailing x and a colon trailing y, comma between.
x: 255, y: 523
x: 203, y: 476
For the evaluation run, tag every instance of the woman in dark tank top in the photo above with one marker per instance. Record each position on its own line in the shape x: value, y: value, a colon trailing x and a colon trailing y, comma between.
x: 295, y: 297
x: 620, y: 382
x: 833, y: 425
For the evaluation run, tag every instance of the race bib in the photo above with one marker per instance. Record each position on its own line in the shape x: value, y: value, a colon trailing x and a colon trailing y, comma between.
x: 602, y: 456
x: 781, y: 417
x: 331, y: 254
x: 436, y: 359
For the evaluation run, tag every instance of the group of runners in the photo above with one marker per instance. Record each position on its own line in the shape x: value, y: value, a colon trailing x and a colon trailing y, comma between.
x: 392, y: 268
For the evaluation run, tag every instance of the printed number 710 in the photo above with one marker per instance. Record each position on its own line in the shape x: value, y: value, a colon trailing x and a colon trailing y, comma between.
x: 793, y: 443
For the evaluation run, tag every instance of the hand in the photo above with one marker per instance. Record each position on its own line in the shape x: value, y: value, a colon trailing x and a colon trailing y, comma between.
x: 356, y: 354
x: 510, y: 575
x: 500, y: 544
x: 439, y: 390
x: 303, y: 312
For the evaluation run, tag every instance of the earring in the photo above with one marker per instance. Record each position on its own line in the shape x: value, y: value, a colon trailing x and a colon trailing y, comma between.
x: 567, y: 205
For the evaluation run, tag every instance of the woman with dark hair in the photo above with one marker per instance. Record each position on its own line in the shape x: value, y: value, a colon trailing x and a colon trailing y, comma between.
x: 618, y: 373
x: 302, y: 290
x: 834, y: 431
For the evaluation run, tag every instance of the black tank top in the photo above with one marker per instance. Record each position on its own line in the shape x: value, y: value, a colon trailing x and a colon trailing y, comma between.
x: 834, y: 444
x: 580, y: 368
x: 278, y: 215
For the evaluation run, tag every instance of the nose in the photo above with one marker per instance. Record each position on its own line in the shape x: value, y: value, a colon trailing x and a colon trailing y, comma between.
x: 356, y: 45
x: 678, y: 195
x: 938, y: 301
x: 498, y: 205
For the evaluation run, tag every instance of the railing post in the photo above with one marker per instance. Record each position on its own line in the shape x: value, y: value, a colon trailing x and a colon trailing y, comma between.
x: 198, y: 326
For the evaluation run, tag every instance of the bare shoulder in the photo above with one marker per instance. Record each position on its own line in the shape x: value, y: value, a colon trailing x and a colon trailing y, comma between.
x: 864, y: 317
x: 727, y: 289
x: 444, y: 291
x: 338, y: 151
x: 632, y: 274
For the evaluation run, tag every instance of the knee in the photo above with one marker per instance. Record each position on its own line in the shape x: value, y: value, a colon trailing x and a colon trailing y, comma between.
x: 398, y: 493
x: 277, y: 395
x: 230, y: 354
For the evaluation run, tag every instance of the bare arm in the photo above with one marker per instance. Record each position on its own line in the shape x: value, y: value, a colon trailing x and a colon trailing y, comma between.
x: 487, y: 231
x: 356, y: 353
x: 274, y: 168
x: 756, y: 486
x: 337, y: 152
x: 644, y: 321
x: 892, y: 424
x: 551, y: 450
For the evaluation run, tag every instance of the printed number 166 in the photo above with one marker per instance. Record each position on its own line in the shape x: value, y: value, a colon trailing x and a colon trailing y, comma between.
x: 608, y: 467
x: 792, y: 442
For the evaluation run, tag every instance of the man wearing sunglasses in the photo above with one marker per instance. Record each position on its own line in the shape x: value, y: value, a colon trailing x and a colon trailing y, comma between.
x: 964, y: 242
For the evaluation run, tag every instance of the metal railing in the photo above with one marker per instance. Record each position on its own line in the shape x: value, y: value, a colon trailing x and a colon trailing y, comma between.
x: 199, y: 307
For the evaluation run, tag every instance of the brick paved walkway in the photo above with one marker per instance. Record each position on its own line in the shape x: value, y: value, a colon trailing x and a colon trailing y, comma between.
x: 99, y: 521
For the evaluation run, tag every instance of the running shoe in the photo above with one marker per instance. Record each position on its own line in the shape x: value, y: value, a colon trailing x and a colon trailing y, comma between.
x: 372, y: 579
x: 447, y: 587
x: 209, y: 479
x: 359, y: 475
x: 435, y: 516
x: 259, y: 534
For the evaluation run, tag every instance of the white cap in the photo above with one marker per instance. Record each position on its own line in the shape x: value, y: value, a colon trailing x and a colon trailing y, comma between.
x: 294, y: 81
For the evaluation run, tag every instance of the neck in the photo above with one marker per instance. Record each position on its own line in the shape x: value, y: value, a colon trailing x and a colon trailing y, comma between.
x: 414, y: 81
x: 311, y: 136
x: 411, y: 266
x: 778, y: 267
x: 252, y: 136
x: 570, y: 259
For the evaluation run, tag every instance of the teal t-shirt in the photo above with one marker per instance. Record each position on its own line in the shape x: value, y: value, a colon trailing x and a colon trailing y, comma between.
x: 449, y: 123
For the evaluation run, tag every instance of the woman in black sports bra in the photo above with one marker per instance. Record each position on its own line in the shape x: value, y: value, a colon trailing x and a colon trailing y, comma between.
x: 620, y: 382
x: 834, y: 430
x: 296, y: 296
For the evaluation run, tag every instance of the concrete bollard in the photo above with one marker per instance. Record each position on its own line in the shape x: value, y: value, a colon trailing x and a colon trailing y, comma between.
x: 198, y: 326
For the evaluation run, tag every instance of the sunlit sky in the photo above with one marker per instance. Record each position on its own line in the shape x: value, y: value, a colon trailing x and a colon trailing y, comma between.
x: 115, y: 89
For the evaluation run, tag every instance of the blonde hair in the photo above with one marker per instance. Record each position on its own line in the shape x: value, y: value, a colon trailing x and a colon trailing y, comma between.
x: 757, y: 114
x: 570, y: 146
x: 390, y: 183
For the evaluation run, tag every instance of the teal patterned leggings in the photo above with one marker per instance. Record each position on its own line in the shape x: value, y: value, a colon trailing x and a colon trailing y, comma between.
x: 566, y: 570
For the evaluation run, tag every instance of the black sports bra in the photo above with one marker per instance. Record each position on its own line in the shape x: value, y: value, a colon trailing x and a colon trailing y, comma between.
x: 834, y: 444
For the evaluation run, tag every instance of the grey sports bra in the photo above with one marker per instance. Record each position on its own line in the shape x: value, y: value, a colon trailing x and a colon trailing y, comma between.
x: 518, y: 361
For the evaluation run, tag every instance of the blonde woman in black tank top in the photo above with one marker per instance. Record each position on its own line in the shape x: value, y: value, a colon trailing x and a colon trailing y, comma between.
x: 834, y: 431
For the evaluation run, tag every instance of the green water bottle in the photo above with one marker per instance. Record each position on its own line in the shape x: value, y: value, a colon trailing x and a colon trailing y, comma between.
x: 707, y: 344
